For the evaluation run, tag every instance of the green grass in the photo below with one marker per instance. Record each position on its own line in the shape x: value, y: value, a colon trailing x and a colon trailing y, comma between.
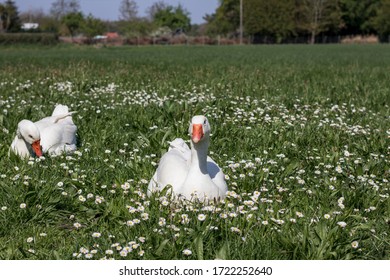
x: 302, y: 132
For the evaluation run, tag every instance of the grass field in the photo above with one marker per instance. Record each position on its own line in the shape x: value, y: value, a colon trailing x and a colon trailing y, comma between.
x: 301, y: 132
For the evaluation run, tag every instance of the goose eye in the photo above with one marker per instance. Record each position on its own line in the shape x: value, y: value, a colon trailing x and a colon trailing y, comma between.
x: 30, y: 136
x: 204, y: 122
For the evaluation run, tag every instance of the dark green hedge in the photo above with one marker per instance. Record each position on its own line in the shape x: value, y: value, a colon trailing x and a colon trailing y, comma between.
x: 28, y: 38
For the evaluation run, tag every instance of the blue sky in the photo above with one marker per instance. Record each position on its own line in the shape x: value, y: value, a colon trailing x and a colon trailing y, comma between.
x: 109, y: 9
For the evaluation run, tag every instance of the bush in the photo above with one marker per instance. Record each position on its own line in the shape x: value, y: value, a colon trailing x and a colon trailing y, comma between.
x: 28, y: 38
x: 371, y: 39
x: 142, y: 40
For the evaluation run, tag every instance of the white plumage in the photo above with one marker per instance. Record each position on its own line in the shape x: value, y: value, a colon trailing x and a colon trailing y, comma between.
x: 190, y: 171
x: 53, y: 135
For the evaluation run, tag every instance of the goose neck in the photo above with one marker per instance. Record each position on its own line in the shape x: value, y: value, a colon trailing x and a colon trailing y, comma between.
x: 199, y: 155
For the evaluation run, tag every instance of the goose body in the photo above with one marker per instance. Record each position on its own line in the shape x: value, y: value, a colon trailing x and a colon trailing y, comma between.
x: 54, y: 135
x: 190, y: 170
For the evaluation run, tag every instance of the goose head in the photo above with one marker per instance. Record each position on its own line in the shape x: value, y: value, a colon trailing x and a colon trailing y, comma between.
x: 199, y: 129
x: 28, y: 131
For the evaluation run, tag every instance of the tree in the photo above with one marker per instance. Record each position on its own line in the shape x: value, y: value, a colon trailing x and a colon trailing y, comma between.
x: 358, y: 16
x: 128, y: 10
x: 9, y: 17
x: 129, y: 23
x: 226, y: 19
x: 316, y: 16
x: 269, y: 18
x: 73, y: 21
x: 45, y: 21
x: 173, y: 17
x: 135, y: 28
x: 2, y: 11
x: 156, y: 7
x: 381, y: 20
x: 32, y: 15
x: 60, y: 8
x: 49, y: 24
x: 92, y: 26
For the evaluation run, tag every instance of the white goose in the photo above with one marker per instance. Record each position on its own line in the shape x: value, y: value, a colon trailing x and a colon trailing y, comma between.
x: 56, y: 134
x: 190, y: 171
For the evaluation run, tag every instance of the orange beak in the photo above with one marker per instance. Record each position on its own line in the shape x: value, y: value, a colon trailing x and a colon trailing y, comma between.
x: 197, y: 132
x: 37, y: 148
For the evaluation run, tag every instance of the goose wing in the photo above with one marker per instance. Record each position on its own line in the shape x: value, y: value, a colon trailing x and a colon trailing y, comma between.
x: 173, y: 167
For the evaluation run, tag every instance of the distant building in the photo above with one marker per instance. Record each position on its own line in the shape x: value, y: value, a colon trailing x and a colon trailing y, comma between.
x: 100, y: 37
x: 30, y: 26
x: 107, y: 36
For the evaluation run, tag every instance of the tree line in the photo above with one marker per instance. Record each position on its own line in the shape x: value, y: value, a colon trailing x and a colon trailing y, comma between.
x: 276, y: 20
x: 281, y: 19
x: 65, y: 18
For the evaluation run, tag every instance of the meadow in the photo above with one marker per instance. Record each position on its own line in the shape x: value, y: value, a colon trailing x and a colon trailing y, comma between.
x: 302, y: 134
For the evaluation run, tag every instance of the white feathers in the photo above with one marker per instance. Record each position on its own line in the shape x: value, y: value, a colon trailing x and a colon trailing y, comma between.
x: 188, y: 171
x: 55, y: 134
